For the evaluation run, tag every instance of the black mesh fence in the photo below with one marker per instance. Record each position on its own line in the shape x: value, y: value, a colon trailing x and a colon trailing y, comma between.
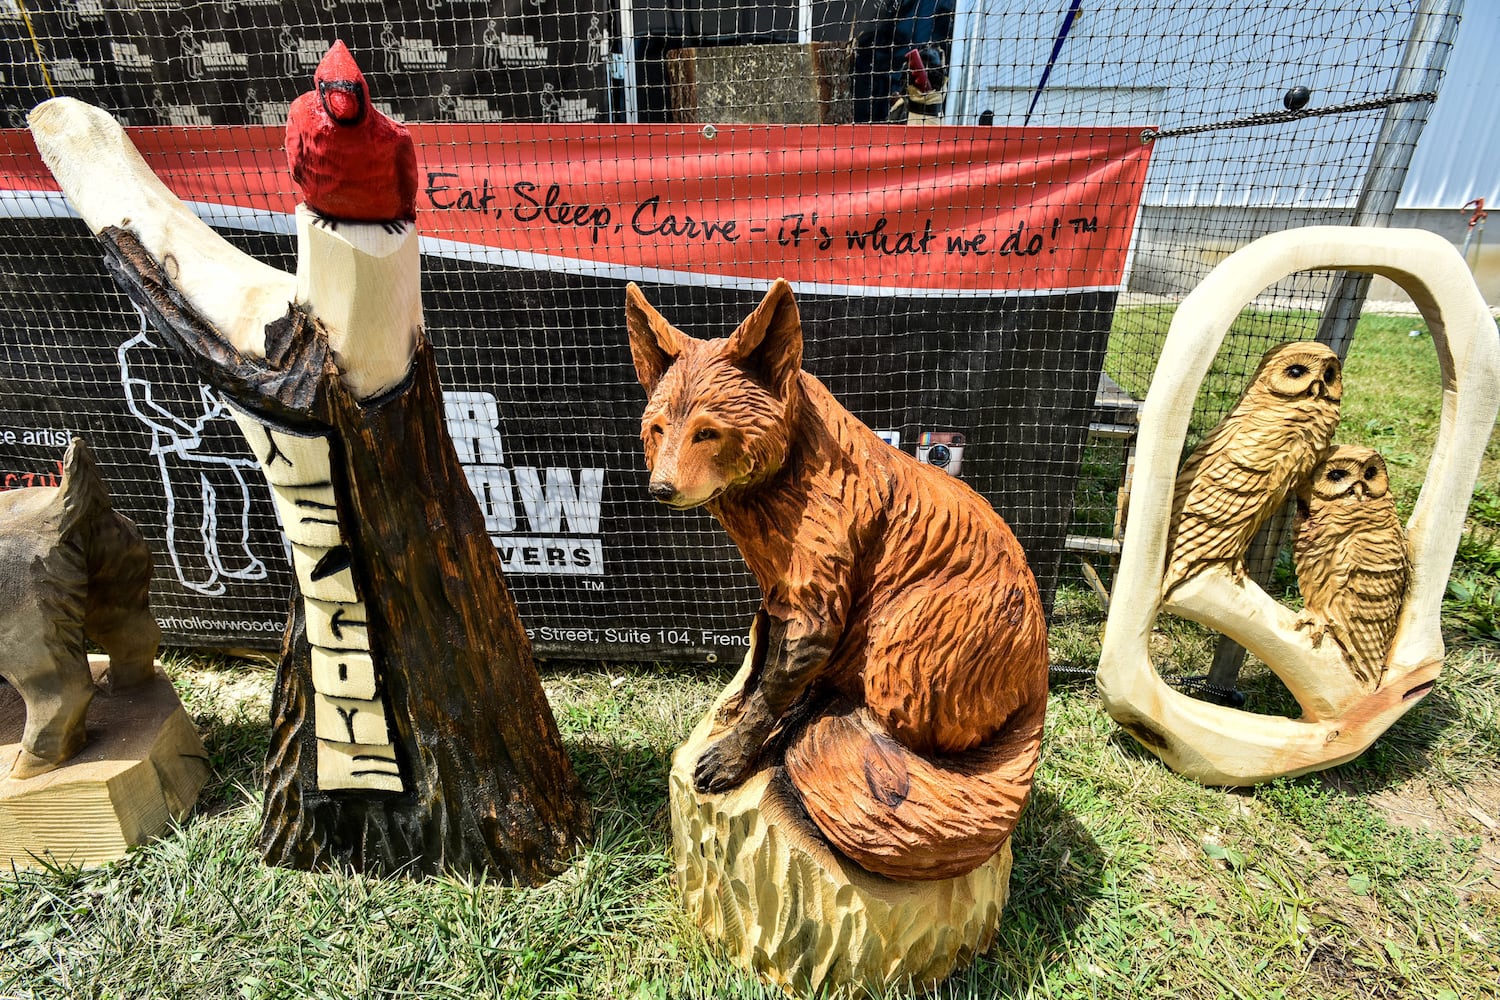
x: 990, y: 293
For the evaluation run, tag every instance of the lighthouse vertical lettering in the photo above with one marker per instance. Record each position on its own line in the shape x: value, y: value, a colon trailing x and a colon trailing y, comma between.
x: 349, y: 715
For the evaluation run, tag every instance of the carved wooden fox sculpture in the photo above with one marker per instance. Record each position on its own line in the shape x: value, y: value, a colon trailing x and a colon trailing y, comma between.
x: 901, y: 652
x: 71, y: 568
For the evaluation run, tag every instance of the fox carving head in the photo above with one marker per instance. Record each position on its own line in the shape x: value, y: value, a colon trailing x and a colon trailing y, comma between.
x: 721, y: 412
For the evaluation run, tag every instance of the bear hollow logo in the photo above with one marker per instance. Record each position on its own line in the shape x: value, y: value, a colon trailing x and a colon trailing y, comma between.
x: 308, y: 52
x: 129, y: 58
x: 465, y: 109
x: 506, y: 50
x: 557, y: 108
x: 421, y: 53
x: 220, y: 57
x: 542, y: 520
x: 82, y: 10
x: 72, y: 72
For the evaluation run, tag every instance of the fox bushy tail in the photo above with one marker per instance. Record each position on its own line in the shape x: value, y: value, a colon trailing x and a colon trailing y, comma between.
x: 904, y: 815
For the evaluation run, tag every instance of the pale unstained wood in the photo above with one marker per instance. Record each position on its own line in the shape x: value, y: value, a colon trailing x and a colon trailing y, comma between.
x: 75, y: 139
x: 766, y: 887
x: 141, y: 769
x: 372, y: 334
x: 1315, y: 675
x: 1224, y: 746
x: 488, y: 787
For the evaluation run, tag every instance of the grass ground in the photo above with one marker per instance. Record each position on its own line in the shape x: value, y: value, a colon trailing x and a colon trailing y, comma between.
x: 1377, y: 879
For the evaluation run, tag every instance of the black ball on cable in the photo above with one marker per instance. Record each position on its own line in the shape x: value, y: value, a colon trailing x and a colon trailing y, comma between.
x: 1296, y: 99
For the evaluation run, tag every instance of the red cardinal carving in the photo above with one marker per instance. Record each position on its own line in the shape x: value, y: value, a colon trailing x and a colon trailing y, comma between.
x: 351, y: 162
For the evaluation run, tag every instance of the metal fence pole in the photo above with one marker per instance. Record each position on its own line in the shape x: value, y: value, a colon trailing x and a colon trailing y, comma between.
x: 1423, y: 61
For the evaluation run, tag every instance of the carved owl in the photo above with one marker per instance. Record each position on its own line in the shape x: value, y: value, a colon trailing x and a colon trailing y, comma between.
x: 1243, y: 470
x: 1351, y: 557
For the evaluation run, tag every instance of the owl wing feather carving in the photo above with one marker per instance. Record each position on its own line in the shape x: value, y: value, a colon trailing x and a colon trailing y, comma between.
x: 1363, y: 608
x: 1233, y: 482
x: 1353, y: 565
x: 1242, y: 471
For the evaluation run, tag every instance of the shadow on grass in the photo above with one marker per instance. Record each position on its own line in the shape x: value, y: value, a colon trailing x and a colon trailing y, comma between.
x: 629, y: 782
x: 236, y: 752
x: 1406, y: 750
x: 1058, y: 873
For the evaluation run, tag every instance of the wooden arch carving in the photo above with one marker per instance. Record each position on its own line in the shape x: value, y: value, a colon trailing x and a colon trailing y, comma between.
x: 1340, y: 717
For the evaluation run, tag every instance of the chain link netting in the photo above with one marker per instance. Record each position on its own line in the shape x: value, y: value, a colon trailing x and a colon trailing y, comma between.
x: 1260, y: 116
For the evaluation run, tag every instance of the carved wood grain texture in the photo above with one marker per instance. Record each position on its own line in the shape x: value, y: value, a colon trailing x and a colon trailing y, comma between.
x: 1342, y: 713
x: 1351, y: 558
x: 880, y: 805
x: 141, y: 769
x: 765, y: 886
x: 1242, y: 471
x: 900, y: 651
x: 489, y: 786
x: 492, y: 788
x: 71, y: 568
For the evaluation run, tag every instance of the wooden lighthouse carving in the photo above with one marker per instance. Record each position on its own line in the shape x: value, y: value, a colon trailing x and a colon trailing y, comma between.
x: 409, y: 727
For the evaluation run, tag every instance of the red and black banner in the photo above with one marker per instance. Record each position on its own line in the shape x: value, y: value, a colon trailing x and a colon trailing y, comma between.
x: 956, y: 285
x: 184, y: 63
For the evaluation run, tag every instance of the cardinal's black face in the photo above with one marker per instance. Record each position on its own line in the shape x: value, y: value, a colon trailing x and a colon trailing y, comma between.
x: 343, y: 100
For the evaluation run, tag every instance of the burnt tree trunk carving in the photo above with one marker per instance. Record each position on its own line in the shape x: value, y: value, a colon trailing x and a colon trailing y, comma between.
x: 410, y: 732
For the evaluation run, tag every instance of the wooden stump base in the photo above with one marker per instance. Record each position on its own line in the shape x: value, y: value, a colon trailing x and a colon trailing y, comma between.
x: 142, y: 767
x: 764, y: 884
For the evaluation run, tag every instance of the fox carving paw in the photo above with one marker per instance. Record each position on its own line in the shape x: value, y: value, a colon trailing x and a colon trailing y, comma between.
x: 732, y: 709
x: 725, y: 764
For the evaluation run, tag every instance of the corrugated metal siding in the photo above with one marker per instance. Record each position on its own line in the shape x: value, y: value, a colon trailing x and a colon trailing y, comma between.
x: 1190, y: 64
x: 1458, y: 156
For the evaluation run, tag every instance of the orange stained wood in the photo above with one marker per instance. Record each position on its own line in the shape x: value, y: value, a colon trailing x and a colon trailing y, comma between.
x: 898, y: 604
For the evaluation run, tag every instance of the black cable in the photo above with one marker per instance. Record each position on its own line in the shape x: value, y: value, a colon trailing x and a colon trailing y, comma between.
x: 1277, y: 117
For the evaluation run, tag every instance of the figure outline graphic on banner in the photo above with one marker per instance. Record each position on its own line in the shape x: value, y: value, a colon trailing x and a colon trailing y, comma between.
x: 390, y: 46
x: 490, y: 42
x: 551, y: 103
x: 598, y: 42
x: 207, y: 497
x: 286, y: 44
x: 192, y: 53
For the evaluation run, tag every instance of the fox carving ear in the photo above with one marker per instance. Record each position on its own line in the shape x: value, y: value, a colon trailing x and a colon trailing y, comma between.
x: 654, y: 343
x: 769, y: 342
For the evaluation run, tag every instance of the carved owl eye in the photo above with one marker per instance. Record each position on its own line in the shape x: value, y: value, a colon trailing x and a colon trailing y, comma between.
x: 1371, y: 471
x: 1337, y: 475
x: 1296, y: 371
